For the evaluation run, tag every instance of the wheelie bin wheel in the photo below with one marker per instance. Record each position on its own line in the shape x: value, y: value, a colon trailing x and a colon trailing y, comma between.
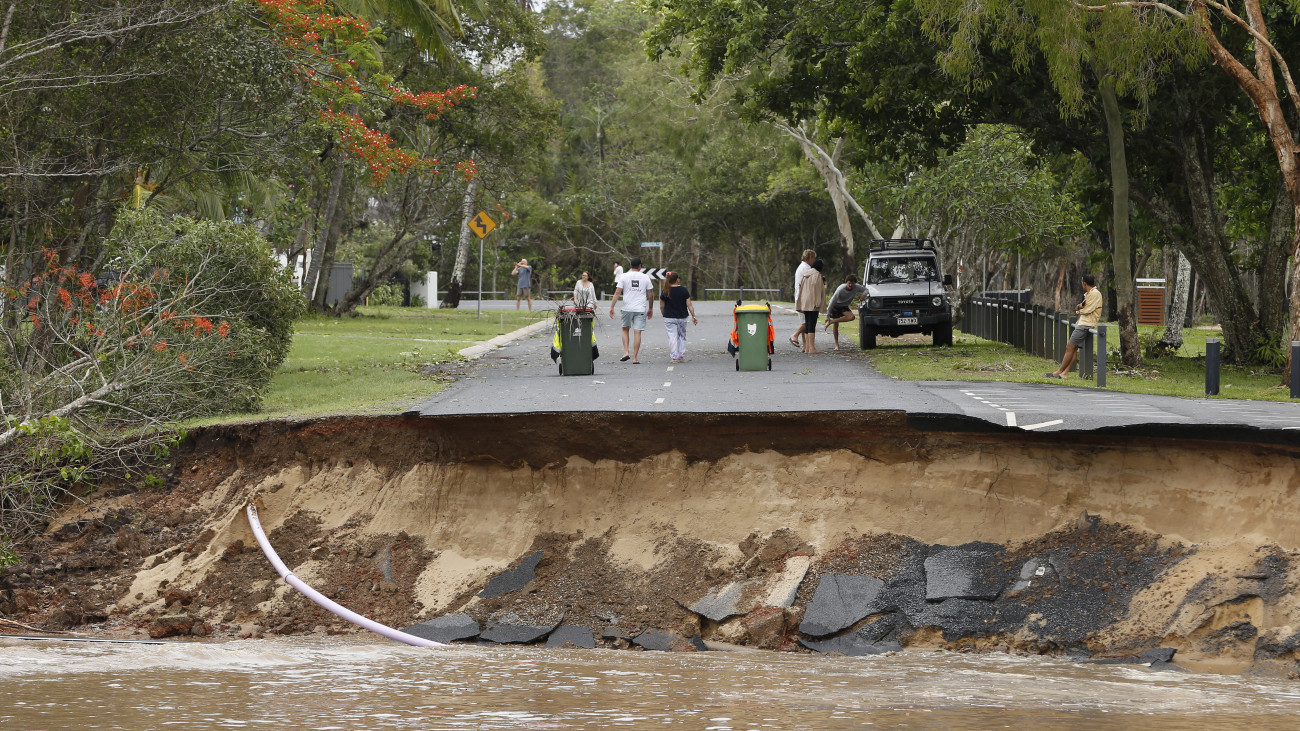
x: 561, y: 368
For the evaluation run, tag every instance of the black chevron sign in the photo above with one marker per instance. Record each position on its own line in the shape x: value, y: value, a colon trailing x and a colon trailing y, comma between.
x: 656, y: 273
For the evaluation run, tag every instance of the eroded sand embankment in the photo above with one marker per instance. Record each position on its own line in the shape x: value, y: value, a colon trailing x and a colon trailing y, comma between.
x: 723, y: 526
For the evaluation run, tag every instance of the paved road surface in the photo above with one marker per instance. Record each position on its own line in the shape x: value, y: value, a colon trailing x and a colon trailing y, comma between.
x: 522, y: 378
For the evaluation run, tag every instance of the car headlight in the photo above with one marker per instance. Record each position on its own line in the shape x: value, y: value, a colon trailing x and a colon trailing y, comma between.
x: 873, y: 303
x: 936, y: 301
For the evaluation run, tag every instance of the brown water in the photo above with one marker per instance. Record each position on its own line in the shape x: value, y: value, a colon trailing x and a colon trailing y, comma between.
x: 359, y: 684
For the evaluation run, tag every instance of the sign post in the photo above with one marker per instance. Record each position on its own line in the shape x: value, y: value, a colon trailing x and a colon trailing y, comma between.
x: 655, y: 245
x: 481, y: 225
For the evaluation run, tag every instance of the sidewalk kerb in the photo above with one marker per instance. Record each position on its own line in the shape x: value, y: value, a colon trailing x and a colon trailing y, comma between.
x: 478, y: 351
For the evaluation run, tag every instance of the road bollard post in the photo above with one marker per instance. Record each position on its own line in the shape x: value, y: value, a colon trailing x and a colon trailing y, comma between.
x: 1295, y: 372
x: 1085, y: 359
x: 1211, y: 366
x: 1101, y: 356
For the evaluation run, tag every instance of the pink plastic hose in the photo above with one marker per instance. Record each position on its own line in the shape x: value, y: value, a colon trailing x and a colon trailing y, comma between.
x: 320, y: 599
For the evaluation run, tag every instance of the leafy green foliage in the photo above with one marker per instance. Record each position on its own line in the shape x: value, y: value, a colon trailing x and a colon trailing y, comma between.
x: 256, y: 296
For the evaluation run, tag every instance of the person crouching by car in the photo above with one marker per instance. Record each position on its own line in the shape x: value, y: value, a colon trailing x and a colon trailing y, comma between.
x: 840, y: 307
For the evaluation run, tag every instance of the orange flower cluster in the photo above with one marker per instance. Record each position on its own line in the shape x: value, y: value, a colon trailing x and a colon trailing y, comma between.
x: 305, y: 22
x: 68, y: 299
x: 433, y: 102
x: 304, y: 25
x: 373, y: 147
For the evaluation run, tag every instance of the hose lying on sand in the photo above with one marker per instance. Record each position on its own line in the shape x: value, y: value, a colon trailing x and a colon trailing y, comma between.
x: 320, y: 599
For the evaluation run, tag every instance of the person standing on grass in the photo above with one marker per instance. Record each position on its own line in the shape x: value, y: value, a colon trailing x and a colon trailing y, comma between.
x: 677, y: 305
x: 637, y: 290
x: 812, y: 298
x: 840, y: 307
x: 584, y: 292
x: 524, y: 288
x: 1089, y: 315
x: 809, y: 256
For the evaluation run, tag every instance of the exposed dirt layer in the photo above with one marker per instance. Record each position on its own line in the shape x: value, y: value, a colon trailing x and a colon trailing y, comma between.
x: 693, y: 527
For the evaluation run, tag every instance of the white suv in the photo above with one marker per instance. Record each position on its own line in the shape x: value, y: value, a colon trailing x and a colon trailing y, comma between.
x: 905, y: 292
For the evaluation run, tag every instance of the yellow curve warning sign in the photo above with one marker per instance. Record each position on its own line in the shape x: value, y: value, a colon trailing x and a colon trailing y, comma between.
x: 482, y: 224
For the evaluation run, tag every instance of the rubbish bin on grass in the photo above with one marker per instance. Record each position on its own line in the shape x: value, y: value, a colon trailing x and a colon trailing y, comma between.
x: 752, y: 338
x: 574, y: 344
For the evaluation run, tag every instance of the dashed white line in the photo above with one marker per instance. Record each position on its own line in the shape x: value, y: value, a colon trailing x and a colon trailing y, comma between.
x: 659, y: 401
x: 670, y: 368
x: 667, y: 384
x: 1053, y: 422
x: 1011, y: 418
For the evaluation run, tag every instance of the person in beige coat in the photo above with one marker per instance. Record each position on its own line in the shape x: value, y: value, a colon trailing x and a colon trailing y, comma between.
x: 811, y: 301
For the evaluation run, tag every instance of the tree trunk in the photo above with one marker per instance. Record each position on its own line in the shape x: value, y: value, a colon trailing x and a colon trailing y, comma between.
x: 1272, y: 269
x: 1060, y: 280
x: 1172, y: 340
x: 1129, y: 347
x: 310, y: 282
x: 332, y: 236
x: 466, y: 236
x: 828, y: 167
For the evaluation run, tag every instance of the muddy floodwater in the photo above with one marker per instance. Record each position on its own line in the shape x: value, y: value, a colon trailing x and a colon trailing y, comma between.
x: 358, y: 684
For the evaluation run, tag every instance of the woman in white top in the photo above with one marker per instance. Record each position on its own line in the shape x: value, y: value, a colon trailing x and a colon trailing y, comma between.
x: 618, y: 273
x: 584, y: 292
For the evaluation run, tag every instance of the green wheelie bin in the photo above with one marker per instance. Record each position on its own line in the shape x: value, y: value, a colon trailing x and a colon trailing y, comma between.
x: 753, y: 337
x: 574, y: 333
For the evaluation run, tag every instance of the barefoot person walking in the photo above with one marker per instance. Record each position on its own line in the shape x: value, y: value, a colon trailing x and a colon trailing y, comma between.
x: 809, y: 256
x: 812, y: 298
x: 1089, y: 316
x: 677, y: 305
x: 636, y: 288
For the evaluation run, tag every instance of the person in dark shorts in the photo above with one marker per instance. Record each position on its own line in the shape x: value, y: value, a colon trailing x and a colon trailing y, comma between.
x: 840, y: 306
x: 812, y: 298
x: 1089, y: 315
x: 805, y: 263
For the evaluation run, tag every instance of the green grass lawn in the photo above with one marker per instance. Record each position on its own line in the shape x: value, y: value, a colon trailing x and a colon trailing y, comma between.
x: 976, y: 359
x: 371, y: 363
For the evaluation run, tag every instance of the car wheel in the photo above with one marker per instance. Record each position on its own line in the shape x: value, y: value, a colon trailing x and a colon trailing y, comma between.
x: 943, y: 335
x: 867, y: 336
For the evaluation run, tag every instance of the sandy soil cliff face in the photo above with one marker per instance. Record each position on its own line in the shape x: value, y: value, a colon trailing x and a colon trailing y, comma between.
x: 405, y: 519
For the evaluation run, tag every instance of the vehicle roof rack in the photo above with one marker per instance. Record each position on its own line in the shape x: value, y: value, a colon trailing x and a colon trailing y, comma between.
x: 901, y: 244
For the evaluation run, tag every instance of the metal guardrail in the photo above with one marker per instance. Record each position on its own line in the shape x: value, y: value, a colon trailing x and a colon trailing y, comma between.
x: 739, y: 290
x: 1040, y: 331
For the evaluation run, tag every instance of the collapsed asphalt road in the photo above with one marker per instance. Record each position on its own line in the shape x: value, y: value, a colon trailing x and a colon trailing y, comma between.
x: 521, y: 378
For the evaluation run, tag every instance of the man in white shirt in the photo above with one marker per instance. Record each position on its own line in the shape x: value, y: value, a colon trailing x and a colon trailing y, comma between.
x: 637, y: 290
x: 809, y: 256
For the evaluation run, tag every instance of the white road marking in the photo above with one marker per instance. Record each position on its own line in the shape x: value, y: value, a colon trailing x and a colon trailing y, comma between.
x: 1011, y: 418
x: 659, y: 401
x: 667, y: 384
x: 597, y: 381
x: 1053, y: 422
x: 670, y: 368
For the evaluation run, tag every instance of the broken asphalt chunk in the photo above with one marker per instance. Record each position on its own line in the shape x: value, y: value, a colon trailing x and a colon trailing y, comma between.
x: 840, y: 601
x: 513, y: 579
x: 447, y: 628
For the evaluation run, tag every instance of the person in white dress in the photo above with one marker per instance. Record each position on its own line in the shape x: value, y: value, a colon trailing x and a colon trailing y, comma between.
x: 584, y: 292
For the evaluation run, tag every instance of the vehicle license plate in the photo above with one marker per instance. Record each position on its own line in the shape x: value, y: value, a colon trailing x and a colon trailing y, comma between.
x: 906, y: 321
